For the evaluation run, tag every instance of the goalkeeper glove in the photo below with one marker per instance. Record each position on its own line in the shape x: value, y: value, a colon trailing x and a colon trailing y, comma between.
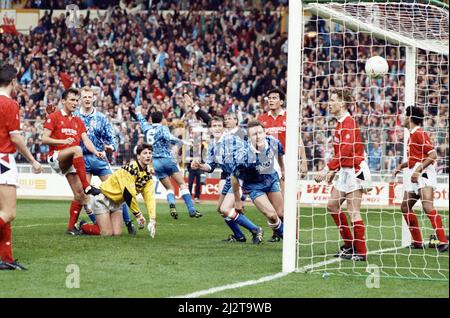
x: 141, y: 220
x: 152, y: 227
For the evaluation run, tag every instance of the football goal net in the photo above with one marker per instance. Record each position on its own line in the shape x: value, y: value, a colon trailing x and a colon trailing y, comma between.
x: 329, y: 44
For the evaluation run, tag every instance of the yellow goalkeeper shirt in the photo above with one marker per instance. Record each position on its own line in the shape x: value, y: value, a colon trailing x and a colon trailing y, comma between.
x: 126, y: 183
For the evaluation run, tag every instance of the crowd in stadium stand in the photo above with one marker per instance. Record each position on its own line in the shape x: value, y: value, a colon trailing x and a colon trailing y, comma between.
x: 228, y: 59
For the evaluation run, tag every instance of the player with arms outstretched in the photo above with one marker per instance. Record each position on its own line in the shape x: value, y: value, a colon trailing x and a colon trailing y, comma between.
x: 64, y: 132
x: 354, y: 177
x: 121, y: 187
x: 100, y: 132
x: 419, y: 180
x: 164, y: 163
x: 10, y: 141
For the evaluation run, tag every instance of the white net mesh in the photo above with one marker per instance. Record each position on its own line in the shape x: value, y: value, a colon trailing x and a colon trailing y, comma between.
x: 335, y: 55
x: 420, y: 25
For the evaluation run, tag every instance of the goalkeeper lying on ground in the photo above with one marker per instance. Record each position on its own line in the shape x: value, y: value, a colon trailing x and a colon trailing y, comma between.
x: 123, y: 186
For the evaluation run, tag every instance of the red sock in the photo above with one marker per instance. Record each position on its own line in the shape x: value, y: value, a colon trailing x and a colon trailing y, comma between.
x: 75, y: 210
x: 78, y: 163
x: 5, y: 242
x: 91, y: 229
x: 360, y: 238
x: 436, y: 222
x: 341, y: 221
x: 413, y: 225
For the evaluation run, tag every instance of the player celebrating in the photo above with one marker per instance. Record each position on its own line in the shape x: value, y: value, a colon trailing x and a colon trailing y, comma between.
x: 274, y: 123
x: 164, y: 163
x: 121, y: 187
x: 354, y: 178
x: 100, y: 132
x: 224, y: 150
x: 259, y: 178
x: 64, y: 132
x: 419, y: 180
x: 10, y: 140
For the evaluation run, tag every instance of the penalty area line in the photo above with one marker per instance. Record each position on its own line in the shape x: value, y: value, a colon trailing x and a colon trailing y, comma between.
x: 232, y: 286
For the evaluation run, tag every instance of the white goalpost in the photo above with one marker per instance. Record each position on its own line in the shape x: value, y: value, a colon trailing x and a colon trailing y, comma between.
x: 329, y: 43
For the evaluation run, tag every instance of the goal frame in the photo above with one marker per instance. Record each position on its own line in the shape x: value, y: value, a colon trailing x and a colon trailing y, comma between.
x: 293, y: 120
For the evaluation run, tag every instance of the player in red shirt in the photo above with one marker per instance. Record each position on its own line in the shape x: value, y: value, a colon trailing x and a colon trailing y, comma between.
x: 419, y: 180
x: 63, y: 132
x: 10, y: 140
x: 274, y: 123
x: 354, y: 178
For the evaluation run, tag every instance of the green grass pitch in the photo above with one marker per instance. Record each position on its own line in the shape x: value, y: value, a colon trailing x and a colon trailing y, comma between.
x: 188, y: 255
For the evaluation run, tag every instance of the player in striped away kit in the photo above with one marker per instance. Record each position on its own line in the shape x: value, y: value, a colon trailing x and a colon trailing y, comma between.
x: 164, y: 163
x: 354, y: 178
x: 259, y: 178
x: 100, y: 132
x: 419, y: 180
x: 274, y: 123
x: 225, y: 151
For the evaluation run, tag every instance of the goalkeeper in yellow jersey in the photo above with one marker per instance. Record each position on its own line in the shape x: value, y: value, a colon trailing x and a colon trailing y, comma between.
x: 123, y: 186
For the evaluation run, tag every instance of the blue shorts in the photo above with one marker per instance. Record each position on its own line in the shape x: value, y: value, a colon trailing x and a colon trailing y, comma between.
x: 227, y: 188
x: 164, y: 167
x: 255, y: 190
x: 96, y: 166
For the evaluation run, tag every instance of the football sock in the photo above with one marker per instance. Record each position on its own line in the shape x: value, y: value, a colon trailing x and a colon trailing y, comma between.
x: 242, y: 220
x: 90, y: 214
x: 170, y: 197
x: 188, y: 200
x: 277, y: 227
x: 436, y: 222
x: 125, y: 214
x: 74, y: 210
x: 91, y: 229
x: 341, y: 221
x: 413, y: 225
x: 78, y: 163
x: 360, y: 239
x: 234, y: 227
x: 5, y: 242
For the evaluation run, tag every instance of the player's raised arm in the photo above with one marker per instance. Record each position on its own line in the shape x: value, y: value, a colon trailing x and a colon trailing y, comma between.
x: 142, y: 121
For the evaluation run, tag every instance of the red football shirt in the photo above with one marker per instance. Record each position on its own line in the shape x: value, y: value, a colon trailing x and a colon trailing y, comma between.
x: 419, y: 146
x: 9, y: 123
x: 347, y: 144
x: 275, y: 125
x: 64, y: 126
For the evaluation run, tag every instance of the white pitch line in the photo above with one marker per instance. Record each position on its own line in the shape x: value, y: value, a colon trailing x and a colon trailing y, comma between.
x: 232, y: 286
x: 35, y: 225
x: 268, y: 278
x: 338, y: 259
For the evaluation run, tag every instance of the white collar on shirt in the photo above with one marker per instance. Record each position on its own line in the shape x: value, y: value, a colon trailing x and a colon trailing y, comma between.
x: 4, y: 94
x: 281, y: 113
x: 92, y: 113
x: 412, y: 131
x: 342, y: 118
